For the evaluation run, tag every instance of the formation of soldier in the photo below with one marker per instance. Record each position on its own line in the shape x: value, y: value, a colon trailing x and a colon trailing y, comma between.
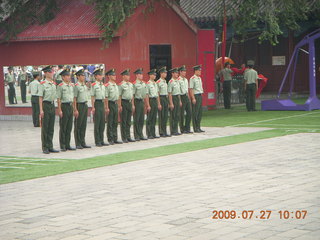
x: 179, y: 100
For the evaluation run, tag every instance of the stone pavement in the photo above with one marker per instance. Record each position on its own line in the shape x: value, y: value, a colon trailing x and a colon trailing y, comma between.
x: 20, y: 138
x: 172, y: 197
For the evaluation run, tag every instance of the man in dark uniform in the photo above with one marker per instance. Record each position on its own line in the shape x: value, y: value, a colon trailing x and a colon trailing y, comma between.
x: 47, y: 95
x: 140, y: 99
x: 80, y: 108
x: 226, y: 73
x: 185, y: 114
x: 126, y: 102
x: 163, y: 94
x: 23, y: 79
x: 98, y: 108
x: 111, y: 105
x: 174, y: 101
x: 65, y: 109
x: 34, y: 91
x: 153, y: 94
x: 251, y: 86
x: 10, y: 81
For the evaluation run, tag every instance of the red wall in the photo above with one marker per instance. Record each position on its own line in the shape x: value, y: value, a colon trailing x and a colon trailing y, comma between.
x: 130, y: 50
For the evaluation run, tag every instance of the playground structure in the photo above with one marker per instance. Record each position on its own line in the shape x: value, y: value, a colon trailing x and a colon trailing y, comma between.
x: 312, y: 102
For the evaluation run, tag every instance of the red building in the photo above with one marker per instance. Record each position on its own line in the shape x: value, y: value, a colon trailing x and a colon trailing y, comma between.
x: 165, y: 37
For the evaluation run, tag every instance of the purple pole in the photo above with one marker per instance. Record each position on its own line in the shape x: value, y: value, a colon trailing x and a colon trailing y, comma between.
x: 312, y: 70
x: 293, y: 74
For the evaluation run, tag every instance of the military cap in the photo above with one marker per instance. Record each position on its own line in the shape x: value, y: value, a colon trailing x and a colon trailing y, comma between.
x: 35, y: 74
x: 182, y: 68
x: 64, y: 72
x: 152, y: 72
x: 197, y: 67
x: 97, y: 71
x: 163, y: 69
x: 112, y: 71
x: 138, y: 71
x: 174, y: 70
x: 10, y: 68
x: 125, y: 72
x: 250, y: 63
x: 80, y: 72
x: 60, y: 66
x: 47, y: 68
x: 226, y: 64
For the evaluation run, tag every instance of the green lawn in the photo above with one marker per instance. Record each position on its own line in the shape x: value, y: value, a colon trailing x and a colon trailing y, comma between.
x: 284, y: 123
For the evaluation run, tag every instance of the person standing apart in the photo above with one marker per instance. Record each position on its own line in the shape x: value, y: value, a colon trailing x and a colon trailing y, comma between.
x: 47, y: 96
x: 23, y: 79
x: 34, y: 91
x: 98, y: 108
x: 80, y: 109
x: 163, y: 94
x: 140, y: 99
x: 226, y: 73
x: 126, y: 102
x: 185, y: 114
x: 112, y: 107
x: 251, y: 86
x: 196, y: 90
x: 175, y: 104
x: 10, y: 81
x: 153, y: 93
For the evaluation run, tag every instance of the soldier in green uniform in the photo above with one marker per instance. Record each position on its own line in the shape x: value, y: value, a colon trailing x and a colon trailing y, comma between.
x: 153, y: 94
x: 251, y: 86
x: 98, y: 108
x: 174, y: 101
x: 65, y: 110
x: 163, y: 94
x: 34, y: 91
x: 196, y: 90
x: 23, y: 79
x: 140, y: 99
x: 111, y: 105
x: 80, y: 109
x: 185, y: 99
x: 226, y: 74
x: 10, y: 81
x: 126, y: 102
x: 47, y: 95
x: 57, y: 77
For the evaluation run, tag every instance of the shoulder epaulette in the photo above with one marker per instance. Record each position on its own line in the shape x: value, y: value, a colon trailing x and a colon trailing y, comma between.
x: 106, y: 85
x: 93, y: 84
x: 171, y: 81
x: 43, y: 82
x: 60, y: 84
x: 54, y: 83
x: 134, y: 82
x: 159, y: 81
x: 77, y: 84
x: 120, y: 83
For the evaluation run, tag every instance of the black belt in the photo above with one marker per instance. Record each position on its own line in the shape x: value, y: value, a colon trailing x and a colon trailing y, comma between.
x: 81, y: 102
x: 153, y: 97
x: 126, y: 100
x: 67, y: 103
x: 34, y: 96
x: 197, y: 94
x: 138, y: 99
x: 112, y: 101
x: 184, y: 95
x: 163, y: 95
x: 98, y: 100
x: 250, y: 83
x: 49, y: 102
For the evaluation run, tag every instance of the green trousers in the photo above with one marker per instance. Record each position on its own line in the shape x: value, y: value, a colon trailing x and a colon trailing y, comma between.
x: 23, y: 89
x: 163, y: 115
x: 197, y: 112
x: 227, y: 94
x: 138, y: 118
x: 126, y: 119
x: 112, y: 126
x: 80, y: 124
x: 47, y: 129
x: 99, y: 121
x: 185, y: 114
x: 175, y: 114
x: 65, y: 125
x: 251, y: 96
x: 11, y: 93
x: 35, y: 110
x: 152, y: 118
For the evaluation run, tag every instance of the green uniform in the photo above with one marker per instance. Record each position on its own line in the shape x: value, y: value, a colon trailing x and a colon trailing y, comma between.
x: 34, y: 90
x: 186, y: 107
x: 140, y: 93
x: 126, y: 94
x: 58, y: 77
x: 195, y: 84
x: 9, y: 78
x: 163, y: 114
x: 175, y: 91
x: 250, y: 76
x: 112, y: 93
x: 65, y: 94
x: 153, y: 92
x: 23, y: 78
x: 226, y: 73
x: 47, y: 91
x: 98, y: 91
x: 80, y: 123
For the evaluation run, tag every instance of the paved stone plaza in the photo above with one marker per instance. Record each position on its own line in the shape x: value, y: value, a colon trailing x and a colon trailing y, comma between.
x: 173, y: 197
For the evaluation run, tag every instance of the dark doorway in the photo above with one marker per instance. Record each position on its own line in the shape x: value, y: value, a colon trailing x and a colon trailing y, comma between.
x: 160, y: 55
